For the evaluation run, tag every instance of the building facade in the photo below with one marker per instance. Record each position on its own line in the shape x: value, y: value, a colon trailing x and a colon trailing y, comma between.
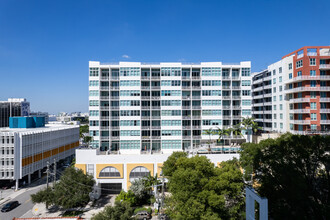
x: 136, y: 107
x: 12, y: 108
x: 300, y: 87
x: 25, y: 150
x: 114, y: 173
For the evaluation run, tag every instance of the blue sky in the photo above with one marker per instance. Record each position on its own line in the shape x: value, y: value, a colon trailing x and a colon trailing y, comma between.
x: 45, y: 45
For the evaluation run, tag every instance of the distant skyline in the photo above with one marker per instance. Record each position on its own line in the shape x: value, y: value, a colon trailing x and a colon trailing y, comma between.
x: 45, y: 46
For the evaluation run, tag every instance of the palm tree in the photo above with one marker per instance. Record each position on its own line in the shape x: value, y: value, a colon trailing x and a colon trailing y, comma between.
x: 250, y: 124
x: 237, y: 131
x: 209, y: 132
x: 222, y: 132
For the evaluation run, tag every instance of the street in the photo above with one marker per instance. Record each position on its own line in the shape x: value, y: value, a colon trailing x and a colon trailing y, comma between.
x: 25, y: 207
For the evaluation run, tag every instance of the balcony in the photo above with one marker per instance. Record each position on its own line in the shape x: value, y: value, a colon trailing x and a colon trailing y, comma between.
x: 196, y: 77
x: 301, y: 122
x: 258, y: 89
x: 186, y: 127
x: 302, y: 78
x: 236, y: 107
x: 186, y: 137
x: 114, y: 107
x: 186, y: 107
x: 325, y: 122
x: 226, y: 107
x: 104, y: 117
x: 114, y: 97
x: 299, y: 100
x: 155, y: 87
x: 155, y: 137
x: 236, y: 78
x: 197, y: 137
x: 236, y: 97
x: 155, y: 107
x: 155, y: 77
x: 114, y: 127
x: 196, y: 87
x: 324, y: 99
x: 267, y: 87
x: 226, y: 117
x: 145, y: 137
x: 226, y: 97
x: 258, y: 104
x: 112, y: 88
x: 115, y: 138
x: 104, y: 88
x: 186, y: 97
x: 145, y: 117
x: 145, y: 87
x: 185, y: 77
x: 196, y: 107
x: 145, y: 97
x: 196, y: 117
x: 324, y: 66
x: 186, y: 87
x: 104, y: 77
x: 237, y: 117
x: 115, y: 117
x: 236, y: 87
x: 196, y: 127
x: 186, y: 117
x: 155, y: 127
x: 196, y: 97
x: 104, y: 137
x: 155, y: 97
x: 115, y: 78
x: 104, y: 128
x: 299, y: 110
x: 145, y: 127
x: 145, y: 107
x: 324, y: 110
x: 226, y: 87
x: 106, y: 98
x: 104, y: 107
x: 145, y: 77
x: 156, y: 117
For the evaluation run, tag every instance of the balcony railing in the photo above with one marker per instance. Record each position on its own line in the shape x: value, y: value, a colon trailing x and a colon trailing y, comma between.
x: 236, y: 87
x: 105, y: 117
x: 325, y: 66
x: 323, y: 110
x: 303, y: 122
x: 104, y: 98
x: 185, y: 77
x: 196, y: 107
x: 155, y: 87
x: 225, y: 87
x: 114, y: 97
x: 324, y: 99
x: 104, y: 77
x: 236, y: 106
x: 186, y: 87
x: 186, y: 107
x: 145, y: 77
x: 145, y: 97
x: 145, y: 107
x: 236, y: 97
x: 226, y: 97
x: 104, y: 107
x: 155, y: 107
x: 300, y: 110
x: 226, y: 107
x: 105, y: 128
x: 226, y: 77
x: 300, y: 100
x: 145, y: 87
x: 155, y: 97
x: 145, y: 117
x: 325, y: 122
x: 186, y: 97
x: 104, y: 87
x: 196, y: 97
x: 114, y: 88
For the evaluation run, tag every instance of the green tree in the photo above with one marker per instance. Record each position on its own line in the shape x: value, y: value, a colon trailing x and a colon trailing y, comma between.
x: 250, y: 124
x: 222, y: 133
x: 87, y: 140
x: 199, y: 190
x: 170, y: 165
x: 71, y: 191
x: 83, y: 129
x: 128, y: 197
x: 237, y: 131
x: 209, y: 132
x: 121, y: 211
x: 293, y: 172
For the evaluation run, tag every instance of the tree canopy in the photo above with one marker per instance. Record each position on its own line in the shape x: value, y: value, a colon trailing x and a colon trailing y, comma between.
x: 70, y: 192
x: 121, y: 211
x: 292, y: 171
x: 202, y: 191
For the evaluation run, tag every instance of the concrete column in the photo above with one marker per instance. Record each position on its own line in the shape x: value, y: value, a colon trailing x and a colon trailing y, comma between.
x: 16, y: 186
x: 39, y: 173
x: 29, y: 178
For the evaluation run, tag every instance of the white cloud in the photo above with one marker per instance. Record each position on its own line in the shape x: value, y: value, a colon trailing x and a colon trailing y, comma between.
x: 125, y: 56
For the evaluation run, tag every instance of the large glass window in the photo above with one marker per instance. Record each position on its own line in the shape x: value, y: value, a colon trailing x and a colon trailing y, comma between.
x: 138, y: 172
x: 109, y: 172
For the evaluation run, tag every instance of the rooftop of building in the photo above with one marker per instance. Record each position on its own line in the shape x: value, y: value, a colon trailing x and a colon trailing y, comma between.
x: 307, y: 47
x: 14, y: 100
x: 170, y: 64
x: 48, y: 127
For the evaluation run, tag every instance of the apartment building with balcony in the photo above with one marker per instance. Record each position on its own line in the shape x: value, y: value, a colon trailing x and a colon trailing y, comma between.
x: 300, y: 84
x: 136, y: 107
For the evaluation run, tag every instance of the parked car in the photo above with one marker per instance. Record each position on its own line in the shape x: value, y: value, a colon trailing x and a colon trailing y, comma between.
x: 164, y: 217
x: 9, y: 206
x: 142, y: 215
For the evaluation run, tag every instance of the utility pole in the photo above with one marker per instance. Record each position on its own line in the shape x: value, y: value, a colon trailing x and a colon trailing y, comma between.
x: 47, y: 171
x: 163, y: 185
x: 54, y: 172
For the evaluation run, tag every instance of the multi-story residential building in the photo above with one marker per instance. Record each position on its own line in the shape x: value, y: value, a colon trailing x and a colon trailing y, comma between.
x: 136, y: 107
x: 262, y: 99
x: 300, y: 91
x: 12, y: 108
x: 27, y: 145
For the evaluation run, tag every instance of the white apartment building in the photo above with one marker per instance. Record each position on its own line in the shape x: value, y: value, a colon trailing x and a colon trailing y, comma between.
x: 26, y: 151
x: 138, y: 107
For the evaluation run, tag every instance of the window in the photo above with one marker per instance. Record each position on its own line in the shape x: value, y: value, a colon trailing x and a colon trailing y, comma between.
x: 274, y: 107
x: 274, y: 116
x: 313, y: 105
x: 281, y: 116
x: 312, y: 62
x: 281, y: 88
x: 246, y: 92
x: 246, y: 72
x: 246, y: 82
x: 246, y: 112
x: 323, y: 83
x: 313, y: 95
x: 90, y: 169
x: 312, y: 73
x: 299, y: 63
x: 313, y: 127
x: 281, y: 106
x: 313, y: 116
x: 280, y: 79
x: 275, y: 125
x: 138, y: 172
x: 274, y: 72
x: 290, y: 75
x: 93, y: 93
x: 274, y: 81
x: 109, y: 172
x: 281, y: 125
x: 274, y: 90
x: 281, y: 97
x: 280, y: 70
x: 93, y: 71
x: 290, y: 66
x: 274, y: 98
x: 246, y: 102
x: 93, y: 83
x: 313, y: 83
x: 299, y: 73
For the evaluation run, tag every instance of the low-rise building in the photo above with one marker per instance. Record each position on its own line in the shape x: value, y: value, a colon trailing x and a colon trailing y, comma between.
x: 27, y: 145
